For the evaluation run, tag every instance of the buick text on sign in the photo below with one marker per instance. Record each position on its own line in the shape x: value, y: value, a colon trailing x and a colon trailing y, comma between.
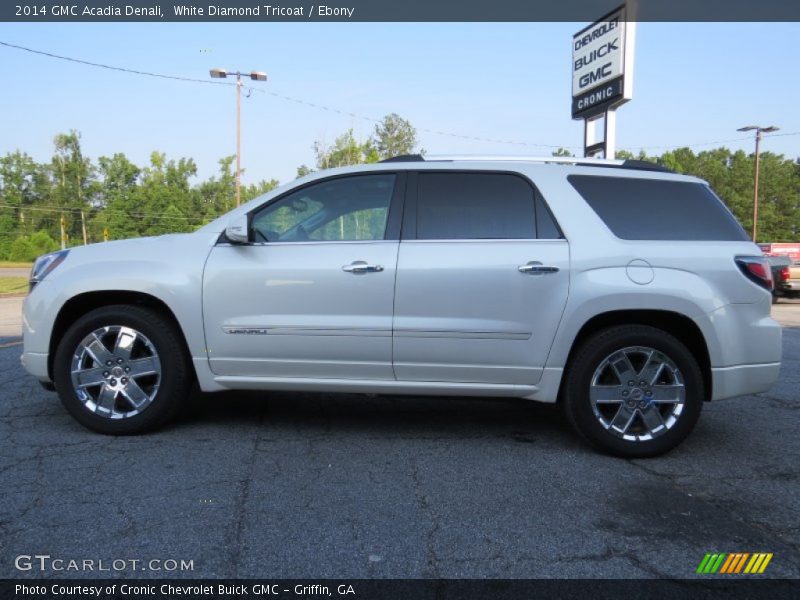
x: 598, y: 63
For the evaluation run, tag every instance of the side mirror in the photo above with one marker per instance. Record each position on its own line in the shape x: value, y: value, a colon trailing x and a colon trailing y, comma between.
x: 236, y: 231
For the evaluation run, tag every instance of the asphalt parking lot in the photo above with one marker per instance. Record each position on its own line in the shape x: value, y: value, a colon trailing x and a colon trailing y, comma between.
x: 313, y: 486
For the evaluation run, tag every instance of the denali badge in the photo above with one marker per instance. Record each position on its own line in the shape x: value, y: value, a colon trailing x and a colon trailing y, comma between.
x: 245, y: 330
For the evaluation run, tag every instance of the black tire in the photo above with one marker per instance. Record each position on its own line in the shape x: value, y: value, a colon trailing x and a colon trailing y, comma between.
x: 176, y: 376
x: 589, y: 357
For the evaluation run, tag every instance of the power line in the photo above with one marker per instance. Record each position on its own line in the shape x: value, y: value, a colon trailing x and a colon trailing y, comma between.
x: 113, y: 68
x: 422, y: 129
x: 269, y: 93
x: 738, y: 139
x: 692, y: 145
x: 779, y: 134
x: 104, y: 210
x: 356, y: 115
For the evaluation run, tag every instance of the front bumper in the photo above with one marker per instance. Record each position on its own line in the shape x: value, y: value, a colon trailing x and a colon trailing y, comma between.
x: 35, y: 363
x: 38, y: 315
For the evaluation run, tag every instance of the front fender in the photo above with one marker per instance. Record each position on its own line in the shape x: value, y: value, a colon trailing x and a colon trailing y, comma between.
x: 168, y: 270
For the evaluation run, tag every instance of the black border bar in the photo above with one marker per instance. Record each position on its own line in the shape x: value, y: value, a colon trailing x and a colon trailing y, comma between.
x: 730, y: 588
x: 391, y: 10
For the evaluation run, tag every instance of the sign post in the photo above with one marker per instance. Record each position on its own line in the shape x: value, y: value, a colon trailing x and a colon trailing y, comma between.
x: 602, y: 77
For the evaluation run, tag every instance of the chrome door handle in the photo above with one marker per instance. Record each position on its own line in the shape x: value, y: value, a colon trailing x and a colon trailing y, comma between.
x: 360, y: 266
x: 536, y: 268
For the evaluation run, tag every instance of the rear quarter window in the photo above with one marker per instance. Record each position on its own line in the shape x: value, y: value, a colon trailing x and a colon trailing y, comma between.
x: 657, y: 209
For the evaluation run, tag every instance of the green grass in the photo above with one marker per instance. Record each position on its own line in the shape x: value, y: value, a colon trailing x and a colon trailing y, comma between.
x: 7, y: 264
x: 13, y: 286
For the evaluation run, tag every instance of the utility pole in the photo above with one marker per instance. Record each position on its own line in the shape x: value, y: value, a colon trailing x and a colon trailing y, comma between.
x: 83, y: 228
x: 759, y: 130
x: 63, y: 233
x: 255, y: 76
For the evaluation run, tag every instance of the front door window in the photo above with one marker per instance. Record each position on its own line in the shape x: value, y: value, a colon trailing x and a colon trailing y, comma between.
x: 337, y: 210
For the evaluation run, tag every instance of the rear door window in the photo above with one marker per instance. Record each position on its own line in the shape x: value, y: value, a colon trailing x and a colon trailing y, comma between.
x: 656, y: 209
x: 476, y: 206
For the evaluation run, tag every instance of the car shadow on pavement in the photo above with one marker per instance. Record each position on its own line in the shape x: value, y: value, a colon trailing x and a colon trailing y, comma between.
x: 521, y: 420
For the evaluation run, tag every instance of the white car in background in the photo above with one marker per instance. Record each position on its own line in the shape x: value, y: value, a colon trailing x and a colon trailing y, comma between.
x: 626, y: 293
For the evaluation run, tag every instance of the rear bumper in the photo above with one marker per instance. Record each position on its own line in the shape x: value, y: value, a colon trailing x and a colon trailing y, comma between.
x: 742, y: 335
x: 743, y: 380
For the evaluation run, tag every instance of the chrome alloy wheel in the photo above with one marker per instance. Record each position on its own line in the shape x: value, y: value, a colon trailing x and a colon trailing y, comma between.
x: 637, y: 393
x: 116, y: 372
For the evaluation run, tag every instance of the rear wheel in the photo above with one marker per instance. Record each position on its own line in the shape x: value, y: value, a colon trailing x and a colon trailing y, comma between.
x: 633, y: 391
x: 122, y: 370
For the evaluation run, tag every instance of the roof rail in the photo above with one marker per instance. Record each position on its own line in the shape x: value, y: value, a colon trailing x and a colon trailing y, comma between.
x: 641, y: 165
x: 404, y: 158
x: 645, y: 165
x: 569, y: 160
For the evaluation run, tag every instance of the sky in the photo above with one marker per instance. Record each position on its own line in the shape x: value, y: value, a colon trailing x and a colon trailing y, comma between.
x: 695, y: 84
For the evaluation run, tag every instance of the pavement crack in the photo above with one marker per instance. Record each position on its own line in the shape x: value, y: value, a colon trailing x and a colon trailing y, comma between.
x: 609, y: 554
x: 424, y: 503
x: 237, y: 544
x: 784, y: 403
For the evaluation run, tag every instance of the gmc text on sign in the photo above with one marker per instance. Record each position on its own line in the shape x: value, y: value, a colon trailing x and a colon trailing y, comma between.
x: 599, y: 64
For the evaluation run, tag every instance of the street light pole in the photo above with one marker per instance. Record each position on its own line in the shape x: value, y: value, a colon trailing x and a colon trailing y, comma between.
x: 255, y: 76
x: 755, y: 185
x: 759, y: 131
x: 239, y: 140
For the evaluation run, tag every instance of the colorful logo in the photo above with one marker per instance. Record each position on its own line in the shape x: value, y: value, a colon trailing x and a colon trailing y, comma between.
x: 734, y: 563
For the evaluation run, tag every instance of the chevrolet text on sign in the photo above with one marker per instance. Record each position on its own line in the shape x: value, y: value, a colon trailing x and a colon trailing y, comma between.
x: 600, y: 60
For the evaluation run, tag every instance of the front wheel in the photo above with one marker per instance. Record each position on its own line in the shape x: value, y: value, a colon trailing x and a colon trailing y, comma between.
x: 122, y: 370
x: 633, y: 391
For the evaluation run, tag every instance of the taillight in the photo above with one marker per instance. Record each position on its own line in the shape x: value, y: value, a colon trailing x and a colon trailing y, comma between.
x: 757, y: 270
x: 785, y: 276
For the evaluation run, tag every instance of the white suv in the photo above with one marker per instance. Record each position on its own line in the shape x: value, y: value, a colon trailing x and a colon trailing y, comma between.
x: 628, y: 294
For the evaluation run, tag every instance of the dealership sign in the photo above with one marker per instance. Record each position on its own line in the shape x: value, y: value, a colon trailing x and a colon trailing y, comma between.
x: 602, y: 65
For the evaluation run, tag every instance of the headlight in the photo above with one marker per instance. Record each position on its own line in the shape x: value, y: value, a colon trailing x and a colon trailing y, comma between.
x: 44, y: 265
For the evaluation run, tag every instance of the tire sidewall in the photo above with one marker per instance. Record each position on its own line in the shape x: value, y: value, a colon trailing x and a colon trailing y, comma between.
x: 173, y: 368
x: 598, y: 348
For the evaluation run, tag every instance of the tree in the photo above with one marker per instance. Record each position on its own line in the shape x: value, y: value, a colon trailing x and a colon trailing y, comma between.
x: 117, y: 193
x: 217, y: 195
x: 71, y: 173
x: 303, y: 170
x: 258, y: 189
x: 131, y: 200
x: 27, y: 248
x: 119, y: 176
x: 19, y: 176
x: 346, y: 150
x: 171, y: 220
x: 779, y: 199
x: 731, y: 175
x: 393, y: 136
x: 163, y: 195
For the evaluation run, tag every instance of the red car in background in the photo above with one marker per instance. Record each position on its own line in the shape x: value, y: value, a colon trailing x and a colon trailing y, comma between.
x: 784, y: 258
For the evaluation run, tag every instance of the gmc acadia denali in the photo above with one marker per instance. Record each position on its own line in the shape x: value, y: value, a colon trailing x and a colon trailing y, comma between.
x: 626, y: 293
